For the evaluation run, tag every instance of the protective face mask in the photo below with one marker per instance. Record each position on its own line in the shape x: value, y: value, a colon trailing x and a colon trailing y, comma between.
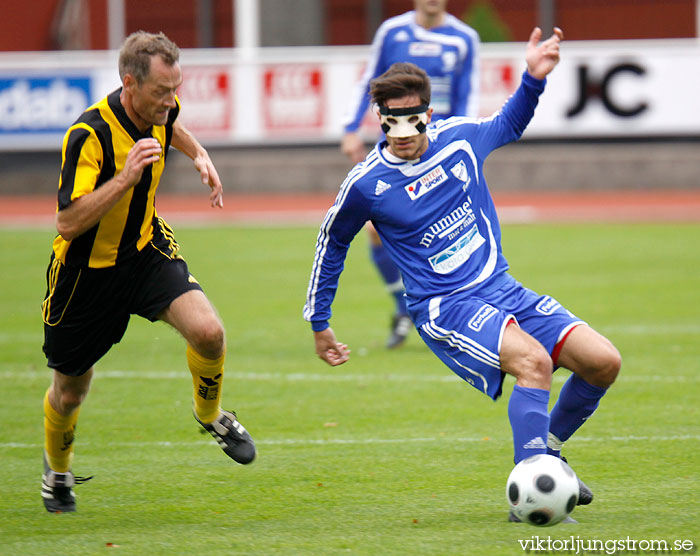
x: 403, y: 122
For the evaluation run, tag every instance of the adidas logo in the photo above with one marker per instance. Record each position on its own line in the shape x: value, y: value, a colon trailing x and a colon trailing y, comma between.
x: 382, y: 186
x: 535, y: 444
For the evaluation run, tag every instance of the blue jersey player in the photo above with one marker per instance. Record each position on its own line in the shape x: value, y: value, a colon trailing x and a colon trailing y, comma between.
x: 448, y: 51
x: 424, y: 190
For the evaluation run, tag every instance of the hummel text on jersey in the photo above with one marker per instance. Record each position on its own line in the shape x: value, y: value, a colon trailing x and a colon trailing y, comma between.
x: 457, y: 220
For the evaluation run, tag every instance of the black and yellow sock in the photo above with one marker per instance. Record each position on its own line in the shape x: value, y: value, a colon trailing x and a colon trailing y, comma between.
x: 59, y: 433
x: 207, y: 376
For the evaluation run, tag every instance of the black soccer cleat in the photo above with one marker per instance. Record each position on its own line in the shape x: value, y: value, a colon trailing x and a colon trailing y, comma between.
x: 57, y: 489
x: 585, y: 494
x: 234, y: 440
x: 400, y: 327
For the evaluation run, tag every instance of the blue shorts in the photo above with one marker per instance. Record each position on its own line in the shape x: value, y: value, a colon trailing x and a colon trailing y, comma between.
x: 465, y: 330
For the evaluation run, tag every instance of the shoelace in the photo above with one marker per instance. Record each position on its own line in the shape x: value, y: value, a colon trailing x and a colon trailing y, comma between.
x: 205, y: 431
x: 81, y: 480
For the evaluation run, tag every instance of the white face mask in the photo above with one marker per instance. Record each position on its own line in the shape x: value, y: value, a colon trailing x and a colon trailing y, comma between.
x: 403, y: 122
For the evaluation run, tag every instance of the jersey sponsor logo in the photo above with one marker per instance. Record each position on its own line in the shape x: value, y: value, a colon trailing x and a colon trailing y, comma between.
x: 426, y: 183
x: 458, y: 253
x: 547, y: 305
x: 450, y: 225
x: 381, y: 187
x: 424, y: 49
x: 482, y: 315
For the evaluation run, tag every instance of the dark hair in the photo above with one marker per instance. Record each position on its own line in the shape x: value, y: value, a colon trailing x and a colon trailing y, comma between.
x: 137, y: 50
x: 400, y: 80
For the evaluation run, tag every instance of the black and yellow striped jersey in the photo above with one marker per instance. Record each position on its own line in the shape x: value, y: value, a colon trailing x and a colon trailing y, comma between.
x: 94, y: 150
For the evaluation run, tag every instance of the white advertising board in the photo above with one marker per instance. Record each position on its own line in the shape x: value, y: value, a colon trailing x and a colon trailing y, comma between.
x: 611, y: 89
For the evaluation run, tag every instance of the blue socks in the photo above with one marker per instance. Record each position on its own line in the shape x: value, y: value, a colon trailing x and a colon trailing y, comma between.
x: 535, y: 431
x: 529, y: 419
x: 391, y: 276
x: 577, y: 402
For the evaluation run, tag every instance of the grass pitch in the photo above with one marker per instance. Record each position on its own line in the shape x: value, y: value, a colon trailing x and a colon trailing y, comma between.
x: 388, y: 454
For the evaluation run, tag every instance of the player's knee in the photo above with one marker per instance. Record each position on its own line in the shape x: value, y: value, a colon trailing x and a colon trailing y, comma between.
x: 542, y: 366
x: 534, y: 369
x: 209, y: 339
x: 70, y: 398
x: 608, y: 365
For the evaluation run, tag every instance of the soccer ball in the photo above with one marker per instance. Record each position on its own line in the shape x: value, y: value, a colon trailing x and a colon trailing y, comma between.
x: 542, y: 490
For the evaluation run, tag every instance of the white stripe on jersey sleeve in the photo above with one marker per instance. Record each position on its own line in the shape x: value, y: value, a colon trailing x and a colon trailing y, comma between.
x: 324, y: 233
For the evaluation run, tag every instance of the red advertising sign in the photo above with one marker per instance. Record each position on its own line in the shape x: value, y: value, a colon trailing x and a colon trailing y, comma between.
x: 498, y: 82
x: 206, y: 95
x: 293, y: 99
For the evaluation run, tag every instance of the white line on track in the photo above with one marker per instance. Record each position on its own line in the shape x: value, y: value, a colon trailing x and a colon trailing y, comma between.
x: 365, y: 441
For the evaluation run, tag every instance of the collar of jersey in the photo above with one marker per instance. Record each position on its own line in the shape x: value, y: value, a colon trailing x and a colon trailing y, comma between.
x: 392, y: 160
x: 123, y: 118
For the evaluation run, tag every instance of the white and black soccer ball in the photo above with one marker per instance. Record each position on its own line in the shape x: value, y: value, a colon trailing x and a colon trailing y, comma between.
x: 542, y: 490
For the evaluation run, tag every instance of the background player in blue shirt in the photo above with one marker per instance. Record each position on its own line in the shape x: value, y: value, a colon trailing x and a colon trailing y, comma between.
x: 448, y: 50
x: 424, y: 190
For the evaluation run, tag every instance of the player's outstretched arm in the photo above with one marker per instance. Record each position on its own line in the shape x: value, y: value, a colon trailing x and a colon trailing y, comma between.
x: 186, y: 143
x: 542, y: 57
x: 329, y: 349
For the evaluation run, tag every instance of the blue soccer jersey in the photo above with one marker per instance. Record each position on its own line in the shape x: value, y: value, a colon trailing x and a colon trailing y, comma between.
x: 435, y: 215
x: 449, y: 54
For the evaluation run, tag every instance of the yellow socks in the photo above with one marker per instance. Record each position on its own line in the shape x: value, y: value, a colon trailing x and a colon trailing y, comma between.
x: 207, y: 376
x: 59, y: 432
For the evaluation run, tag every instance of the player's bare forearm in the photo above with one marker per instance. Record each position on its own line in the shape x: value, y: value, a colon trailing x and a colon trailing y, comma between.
x: 86, y: 211
x: 186, y: 143
x: 329, y: 349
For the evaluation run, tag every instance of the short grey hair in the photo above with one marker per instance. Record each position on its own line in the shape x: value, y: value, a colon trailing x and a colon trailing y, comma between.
x: 137, y: 51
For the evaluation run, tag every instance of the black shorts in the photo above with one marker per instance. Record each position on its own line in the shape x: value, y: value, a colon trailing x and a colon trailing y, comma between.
x: 86, y: 310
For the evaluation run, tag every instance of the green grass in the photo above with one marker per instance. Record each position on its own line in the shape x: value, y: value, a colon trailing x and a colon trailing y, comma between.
x: 386, y: 455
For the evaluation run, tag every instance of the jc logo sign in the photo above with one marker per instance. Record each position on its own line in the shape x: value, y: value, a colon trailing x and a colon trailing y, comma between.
x: 591, y: 87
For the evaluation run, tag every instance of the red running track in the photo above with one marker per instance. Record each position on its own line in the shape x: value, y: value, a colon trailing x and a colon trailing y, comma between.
x: 290, y: 209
